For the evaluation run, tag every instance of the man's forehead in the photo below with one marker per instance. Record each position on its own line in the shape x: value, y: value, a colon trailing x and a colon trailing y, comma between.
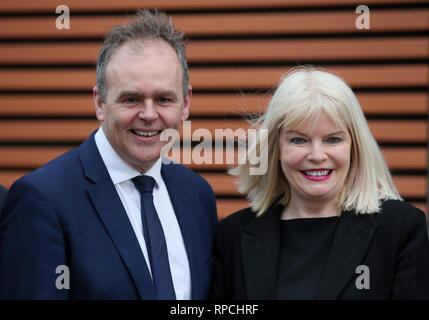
x: 141, y: 48
x: 155, y: 55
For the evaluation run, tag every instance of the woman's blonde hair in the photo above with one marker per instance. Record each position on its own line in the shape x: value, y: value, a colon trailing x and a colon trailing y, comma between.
x: 303, y: 94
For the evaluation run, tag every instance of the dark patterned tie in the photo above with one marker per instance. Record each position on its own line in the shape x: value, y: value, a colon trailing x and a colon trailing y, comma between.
x: 155, y: 240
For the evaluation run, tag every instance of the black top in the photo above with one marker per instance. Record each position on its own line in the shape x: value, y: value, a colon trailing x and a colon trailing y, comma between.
x: 304, y: 251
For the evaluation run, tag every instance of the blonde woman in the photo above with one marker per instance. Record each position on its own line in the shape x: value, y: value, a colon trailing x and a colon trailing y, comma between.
x: 326, y: 221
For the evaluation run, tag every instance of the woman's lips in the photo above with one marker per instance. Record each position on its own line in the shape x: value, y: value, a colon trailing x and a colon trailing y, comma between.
x: 317, y: 175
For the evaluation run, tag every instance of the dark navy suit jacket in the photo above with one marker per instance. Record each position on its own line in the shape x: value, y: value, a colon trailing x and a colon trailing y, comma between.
x: 3, y: 192
x: 68, y: 213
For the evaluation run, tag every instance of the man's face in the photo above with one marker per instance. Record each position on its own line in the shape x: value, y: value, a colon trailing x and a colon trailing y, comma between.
x: 144, y: 97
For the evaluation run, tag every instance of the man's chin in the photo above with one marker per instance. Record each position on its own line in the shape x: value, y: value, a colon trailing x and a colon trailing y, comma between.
x: 143, y: 161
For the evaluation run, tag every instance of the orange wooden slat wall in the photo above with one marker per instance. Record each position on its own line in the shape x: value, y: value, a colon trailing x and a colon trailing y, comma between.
x: 237, y: 50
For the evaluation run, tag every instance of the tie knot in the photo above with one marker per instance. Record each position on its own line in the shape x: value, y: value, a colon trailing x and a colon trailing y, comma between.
x: 144, y: 183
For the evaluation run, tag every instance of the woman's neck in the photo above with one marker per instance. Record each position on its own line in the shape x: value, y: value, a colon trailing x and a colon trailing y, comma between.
x: 306, y: 209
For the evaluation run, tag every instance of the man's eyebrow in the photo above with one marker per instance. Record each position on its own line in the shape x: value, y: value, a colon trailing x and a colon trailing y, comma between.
x: 128, y: 93
x: 170, y: 93
x: 136, y: 93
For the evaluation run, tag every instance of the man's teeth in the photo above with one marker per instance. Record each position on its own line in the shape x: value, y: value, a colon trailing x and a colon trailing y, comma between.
x: 317, y: 173
x: 145, y: 133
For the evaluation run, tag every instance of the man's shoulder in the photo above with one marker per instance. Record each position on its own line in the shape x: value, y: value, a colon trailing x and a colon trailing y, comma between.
x: 3, y: 192
x: 176, y: 167
x: 55, y: 173
x: 182, y: 173
x: 49, y: 183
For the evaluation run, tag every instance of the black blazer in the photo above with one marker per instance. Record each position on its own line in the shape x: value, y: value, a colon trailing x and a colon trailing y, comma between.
x: 393, y: 244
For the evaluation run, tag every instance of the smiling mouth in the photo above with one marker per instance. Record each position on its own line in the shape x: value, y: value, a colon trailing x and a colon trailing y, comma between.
x: 317, y: 173
x: 141, y: 133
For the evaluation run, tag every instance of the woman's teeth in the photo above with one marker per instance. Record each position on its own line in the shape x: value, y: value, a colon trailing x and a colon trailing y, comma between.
x: 317, y: 173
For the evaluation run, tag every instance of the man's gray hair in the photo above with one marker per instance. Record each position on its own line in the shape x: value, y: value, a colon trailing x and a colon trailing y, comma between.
x: 146, y: 26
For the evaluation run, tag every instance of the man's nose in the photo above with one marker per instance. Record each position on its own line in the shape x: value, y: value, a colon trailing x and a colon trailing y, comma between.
x: 148, y: 111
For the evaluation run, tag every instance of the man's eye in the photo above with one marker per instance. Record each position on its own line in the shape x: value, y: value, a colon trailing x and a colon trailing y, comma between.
x: 334, y: 140
x: 297, y: 140
x: 130, y: 100
x: 164, y: 100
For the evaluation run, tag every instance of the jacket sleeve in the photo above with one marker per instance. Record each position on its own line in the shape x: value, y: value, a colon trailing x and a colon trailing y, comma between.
x: 31, y: 245
x: 412, y: 262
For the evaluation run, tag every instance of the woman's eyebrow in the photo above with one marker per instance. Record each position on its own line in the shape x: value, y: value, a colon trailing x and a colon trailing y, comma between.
x: 295, y: 132
x: 339, y: 132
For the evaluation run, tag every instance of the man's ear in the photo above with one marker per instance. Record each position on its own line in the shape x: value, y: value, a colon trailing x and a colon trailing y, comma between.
x: 187, y: 104
x: 98, y: 104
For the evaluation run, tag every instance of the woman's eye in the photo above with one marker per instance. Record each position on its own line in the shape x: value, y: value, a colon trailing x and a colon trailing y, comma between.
x: 334, y: 140
x: 297, y: 140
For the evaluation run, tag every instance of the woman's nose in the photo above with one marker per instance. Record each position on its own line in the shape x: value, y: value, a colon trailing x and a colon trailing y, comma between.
x: 317, y: 153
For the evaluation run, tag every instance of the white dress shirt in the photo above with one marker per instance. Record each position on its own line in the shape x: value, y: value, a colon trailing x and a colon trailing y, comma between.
x: 121, y: 174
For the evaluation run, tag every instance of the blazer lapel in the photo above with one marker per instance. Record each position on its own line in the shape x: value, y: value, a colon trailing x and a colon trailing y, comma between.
x: 260, y: 245
x: 111, y: 211
x: 183, y: 210
x: 352, y: 239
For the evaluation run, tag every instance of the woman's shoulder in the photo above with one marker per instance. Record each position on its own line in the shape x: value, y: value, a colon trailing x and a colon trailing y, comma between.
x: 400, y: 212
x: 230, y: 228
x: 399, y: 207
x: 239, y: 218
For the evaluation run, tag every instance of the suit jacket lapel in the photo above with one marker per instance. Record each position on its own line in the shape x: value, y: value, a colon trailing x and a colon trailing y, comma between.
x: 111, y: 211
x: 183, y: 210
x: 260, y: 245
x: 352, y: 239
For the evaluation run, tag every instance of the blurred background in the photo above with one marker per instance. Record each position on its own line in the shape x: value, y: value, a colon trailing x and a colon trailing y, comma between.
x: 237, y: 51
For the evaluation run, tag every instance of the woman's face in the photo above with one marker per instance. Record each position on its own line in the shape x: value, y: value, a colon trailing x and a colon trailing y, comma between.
x: 315, y: 159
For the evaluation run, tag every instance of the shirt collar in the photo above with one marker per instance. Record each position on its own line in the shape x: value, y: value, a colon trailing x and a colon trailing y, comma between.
x: 118, y: 169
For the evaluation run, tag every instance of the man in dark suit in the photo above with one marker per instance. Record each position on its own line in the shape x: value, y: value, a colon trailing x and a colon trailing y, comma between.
x: 3, y: 192
x: 73, y: 230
